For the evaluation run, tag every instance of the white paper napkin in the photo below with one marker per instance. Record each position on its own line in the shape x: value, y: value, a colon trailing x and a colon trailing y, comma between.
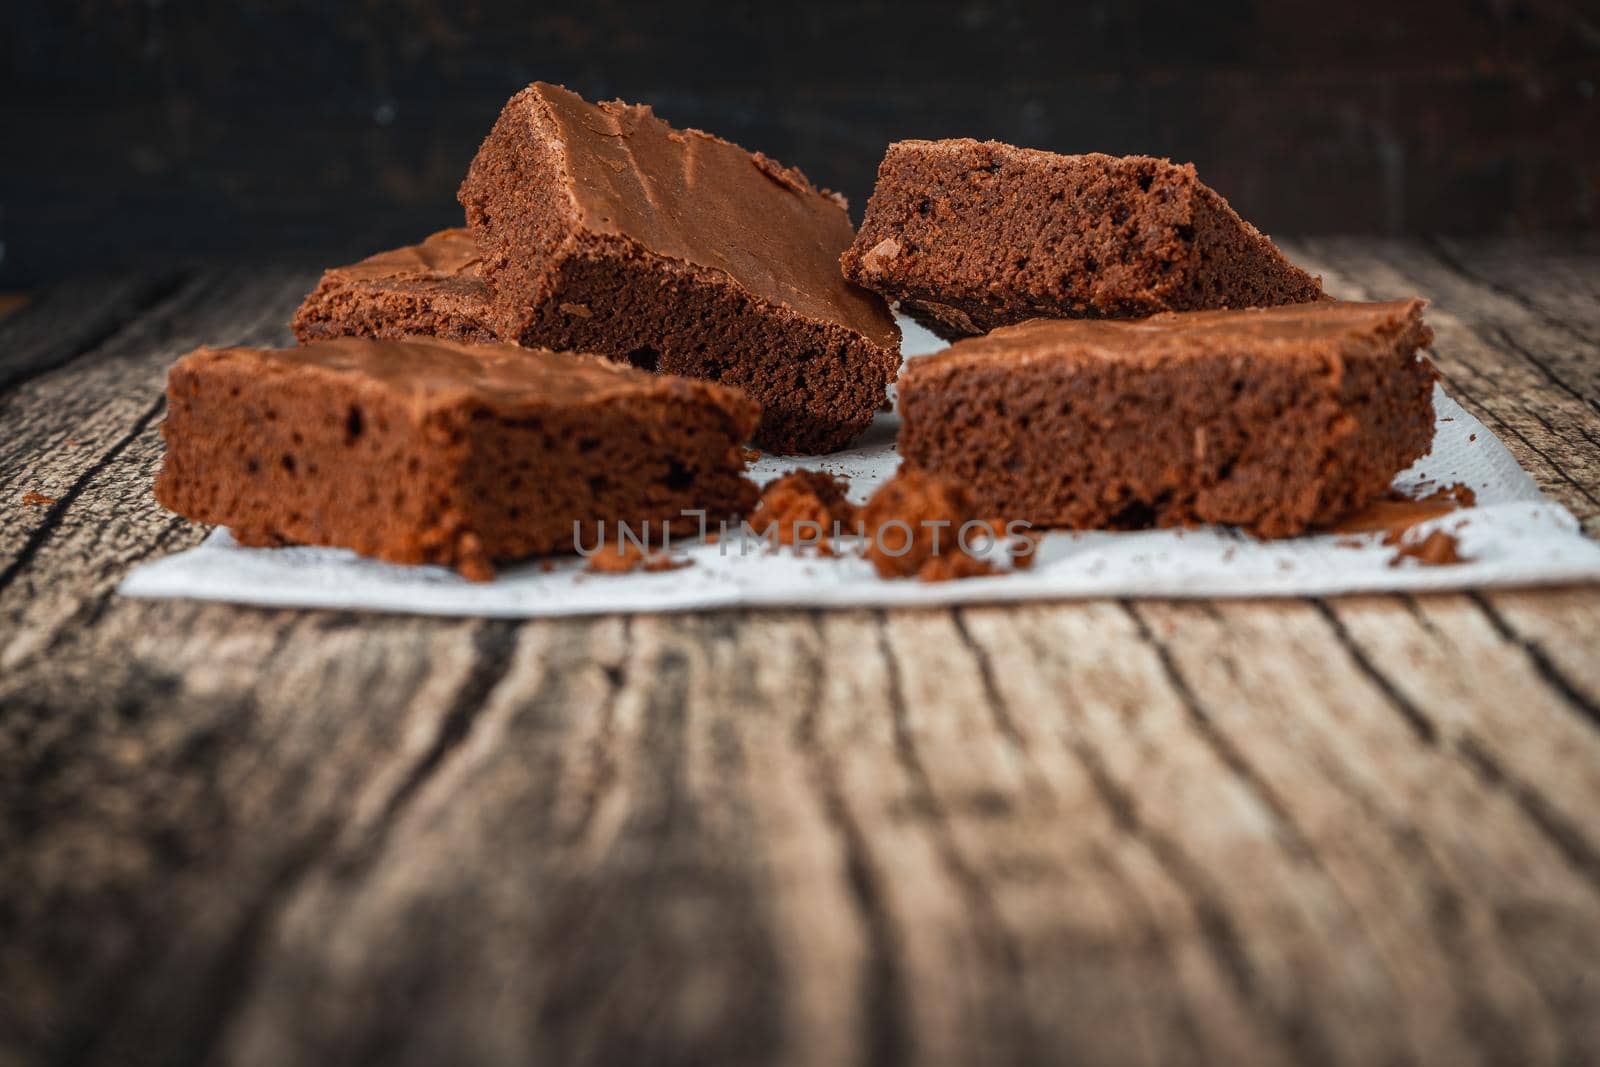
x: 1512, y: 536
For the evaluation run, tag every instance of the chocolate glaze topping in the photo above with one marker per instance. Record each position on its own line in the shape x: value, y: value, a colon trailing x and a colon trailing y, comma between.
x: 697, y: 198
x: 433, y: 370
x: 1297, y: 328
x: 446, y: 254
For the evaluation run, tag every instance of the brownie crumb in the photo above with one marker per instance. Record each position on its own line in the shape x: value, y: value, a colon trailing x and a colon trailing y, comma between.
x: 1440, y: 548
x: 616, y: 558
x: 913, y: 528
x: 434, y: 451
x: 804, y: 507
x: 432, y: 289
x: 626, y: 557
x: 603, y: 229
x: 1024, y: 544
x: 35, y: 499
x: 1216, y: 417
x: 970, y: 236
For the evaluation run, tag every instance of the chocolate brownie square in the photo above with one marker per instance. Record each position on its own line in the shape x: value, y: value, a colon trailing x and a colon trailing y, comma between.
x: 972, y: 235
x: 1277, y: 420
x: 436, y: 451
x: 433, y: 289
x: 603, y: 229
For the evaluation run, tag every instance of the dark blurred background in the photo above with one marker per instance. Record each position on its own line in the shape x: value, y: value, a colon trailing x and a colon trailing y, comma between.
x: 156, y: 130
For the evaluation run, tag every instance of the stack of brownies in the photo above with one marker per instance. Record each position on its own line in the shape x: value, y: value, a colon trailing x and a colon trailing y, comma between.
x: 629, y: 304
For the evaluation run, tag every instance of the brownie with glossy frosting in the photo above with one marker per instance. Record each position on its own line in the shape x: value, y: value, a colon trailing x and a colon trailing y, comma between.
x: 433, y: 289
x: 1277, y: 420
x: 435, y: 451
x: 971, y: 235
x: 601, y: 228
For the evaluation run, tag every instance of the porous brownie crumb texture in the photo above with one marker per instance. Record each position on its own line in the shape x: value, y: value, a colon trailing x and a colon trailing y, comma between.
x: 1185, y: 419
x: 404, y: 309
x: 709, y: 262
x: 290, y: 453
x: 971, y: 235
x: 818, y: 384
x: 612, y: 462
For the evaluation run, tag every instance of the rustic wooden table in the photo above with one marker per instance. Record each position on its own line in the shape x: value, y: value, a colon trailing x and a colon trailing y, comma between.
x: 1316, y: 831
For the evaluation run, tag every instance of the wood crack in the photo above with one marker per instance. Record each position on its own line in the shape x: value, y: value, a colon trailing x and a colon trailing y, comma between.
x: 1496, y: 419
x: 57, y: 512
x: 603, y: 763
x: 1547, y: 671
x: 1414, y: 717
x: 886, y: 1032
x: 1544, y: 368
x: 1573, y: 846
x: 999, y: 711
x: 14, y: 372
x: 229, y: 979
x: 995, y: 939
x: 1477, y: 1014
x: 1550, y: 427
x: 89, y: 613
x: 494, y: 648
x: 1224, y: 749
x: 1442, y: 253
x: 910, y: 760
x: 1218, y: 931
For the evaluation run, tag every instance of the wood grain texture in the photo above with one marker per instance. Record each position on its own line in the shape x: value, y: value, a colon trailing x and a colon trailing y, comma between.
x: 1354, y: 830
